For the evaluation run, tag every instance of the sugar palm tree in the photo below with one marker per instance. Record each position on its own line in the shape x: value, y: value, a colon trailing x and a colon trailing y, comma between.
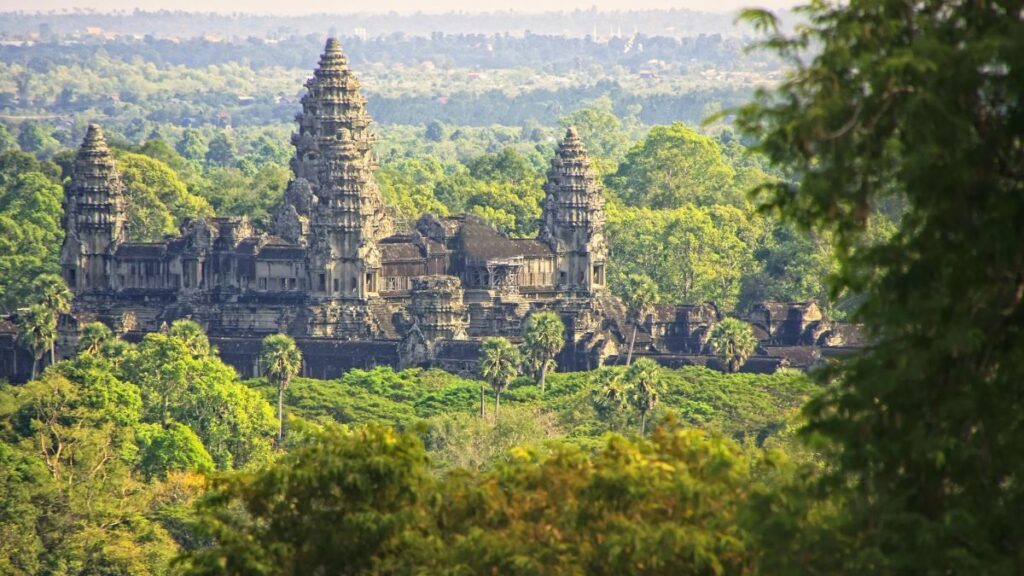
x: 543, y: 339
x: 734, y: 341
x: 499, y: 364
x: 94, y: 336
x: 644, y: 381
x: 192, y: 334
x: 280, y: 361
x: 55, y: 295
x: 38, y: 329
x: 609, y: 392
x: 640, y: 296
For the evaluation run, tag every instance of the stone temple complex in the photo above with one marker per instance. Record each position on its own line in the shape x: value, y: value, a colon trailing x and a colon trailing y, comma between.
x: 354, y: 290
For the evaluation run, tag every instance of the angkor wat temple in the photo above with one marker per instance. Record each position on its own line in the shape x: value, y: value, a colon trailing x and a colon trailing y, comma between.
x: 336, y: 273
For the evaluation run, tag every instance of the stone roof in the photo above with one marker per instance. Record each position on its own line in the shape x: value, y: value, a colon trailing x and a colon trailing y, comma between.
x: 482, y: 241
x: 796, y: 356
x: 282, y: 252
x: 248, y: 247
x: 532, y: 248
x: 142, y: 250
x: 459, y: 350
x: 392, y: 251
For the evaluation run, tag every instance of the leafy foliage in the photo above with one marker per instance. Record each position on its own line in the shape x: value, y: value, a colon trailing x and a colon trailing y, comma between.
x: 674, y: 166
x: 921, y: 106
x: 30, y: 232
x: 157, y: 199
x: 369, y: 485
x: 734, y: 341
x: 679, y: 503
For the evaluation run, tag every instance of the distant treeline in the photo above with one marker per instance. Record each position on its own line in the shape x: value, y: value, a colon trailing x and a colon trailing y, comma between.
x: 674, y: 22
x: 540, y: 52
x: 547, y: 106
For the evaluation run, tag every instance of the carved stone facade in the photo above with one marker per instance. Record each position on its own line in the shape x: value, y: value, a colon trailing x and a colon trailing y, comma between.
x: 332, y: 267
x: 334, y: 273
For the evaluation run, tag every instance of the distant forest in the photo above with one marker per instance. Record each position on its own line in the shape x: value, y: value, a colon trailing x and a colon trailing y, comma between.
x: 575, y: 23
x: 466, y: 79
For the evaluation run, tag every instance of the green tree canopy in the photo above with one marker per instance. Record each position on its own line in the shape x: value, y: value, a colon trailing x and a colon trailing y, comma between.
x: 157, y: 198
x: 30, y: 236
x: 690, y: 253
x: 222, y: 150
x: 35, y: 139
x: 369, y: 485
x: 175, y: 447
x: 673, y: 166
x: 922, y: 104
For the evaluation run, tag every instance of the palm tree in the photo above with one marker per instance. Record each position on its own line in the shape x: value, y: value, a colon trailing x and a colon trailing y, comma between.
x: 644, y: 380
x: 641, y: 294
x: 499, y: 364
x: 94, y: 336
x: 38, y: 331
x: 734, y: 341
x: 54, y: 294
x: 193, y: 335
x: 280, y: 361
x: 609, y: 393
x: 543, y: 340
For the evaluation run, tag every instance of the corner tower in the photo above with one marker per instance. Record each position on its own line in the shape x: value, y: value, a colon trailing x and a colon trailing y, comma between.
x: 333, y: 205
x: 572, y: 222
x: 94, y: 216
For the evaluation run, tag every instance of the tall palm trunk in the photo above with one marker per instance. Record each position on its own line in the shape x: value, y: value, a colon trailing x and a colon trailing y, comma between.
x: 280, y: 412
x: 53, y: 351
x: 643, y: 423
x: 543, y: 376
x: 483, y: 409
x: 497, y: 402
x: 632, y: 341
x: 35, y: 366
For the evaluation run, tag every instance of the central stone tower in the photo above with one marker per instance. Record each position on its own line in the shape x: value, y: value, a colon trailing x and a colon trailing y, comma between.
x: 332, y: 205
x: 572, y: 222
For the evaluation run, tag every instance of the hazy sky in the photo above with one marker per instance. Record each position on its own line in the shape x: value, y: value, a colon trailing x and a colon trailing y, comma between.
x: 406, y: 6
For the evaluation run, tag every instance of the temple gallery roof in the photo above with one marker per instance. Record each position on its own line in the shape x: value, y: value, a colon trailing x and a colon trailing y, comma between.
x: 142, y: 250
x: 482, y: 241
x: 391, y: 251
